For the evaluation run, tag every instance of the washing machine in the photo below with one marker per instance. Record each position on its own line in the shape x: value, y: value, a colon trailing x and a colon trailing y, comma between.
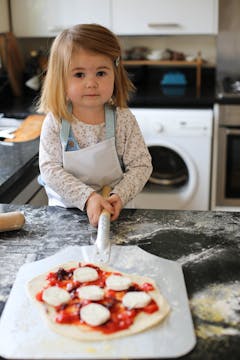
x: 180, y: 143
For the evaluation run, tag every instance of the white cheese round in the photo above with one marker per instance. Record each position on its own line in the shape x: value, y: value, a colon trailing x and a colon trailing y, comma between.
x: 94, y: 314
x: 118, y: 282
x: 55, y: 296
x: 136, y: 299
x: 91, y: 292
x: 84, y: 274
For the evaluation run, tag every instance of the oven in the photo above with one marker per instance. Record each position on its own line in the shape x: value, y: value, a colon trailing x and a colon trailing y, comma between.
x: 227, y: 180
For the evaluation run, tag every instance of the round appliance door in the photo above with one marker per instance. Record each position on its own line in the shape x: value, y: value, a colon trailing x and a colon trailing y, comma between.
x: 169, y: 168
x: 173, y: 181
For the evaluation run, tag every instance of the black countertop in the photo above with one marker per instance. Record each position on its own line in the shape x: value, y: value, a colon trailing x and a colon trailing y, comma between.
x: 206, y: 244
x: 19, y: 165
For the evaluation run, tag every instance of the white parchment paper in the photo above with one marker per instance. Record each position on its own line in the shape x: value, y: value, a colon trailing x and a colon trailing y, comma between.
x: 26, y: 335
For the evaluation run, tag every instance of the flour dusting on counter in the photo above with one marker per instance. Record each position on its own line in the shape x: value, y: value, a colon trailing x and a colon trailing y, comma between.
x: 200, y: 256
x: 217, y: 310
x: 140, y: 227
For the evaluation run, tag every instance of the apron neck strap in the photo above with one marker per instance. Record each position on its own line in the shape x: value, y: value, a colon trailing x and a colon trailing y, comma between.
x: 110, y: 120
x: 64, y: 133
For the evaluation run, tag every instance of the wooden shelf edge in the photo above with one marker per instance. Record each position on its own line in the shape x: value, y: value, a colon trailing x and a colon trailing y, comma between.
x: 166, y: 63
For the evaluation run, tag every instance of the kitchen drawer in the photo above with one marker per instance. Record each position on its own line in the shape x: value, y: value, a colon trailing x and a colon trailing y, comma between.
x: 47, y: 18
x: 153, y: 17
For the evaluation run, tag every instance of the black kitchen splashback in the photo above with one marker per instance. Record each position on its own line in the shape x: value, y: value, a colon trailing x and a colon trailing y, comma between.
x: 17, y: 106
x: 160, y: 86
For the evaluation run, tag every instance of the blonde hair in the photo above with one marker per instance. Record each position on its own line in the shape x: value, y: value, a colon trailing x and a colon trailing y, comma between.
x: 92, y: 37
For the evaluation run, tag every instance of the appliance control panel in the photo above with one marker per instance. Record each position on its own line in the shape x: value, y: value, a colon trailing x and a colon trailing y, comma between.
x: 195, y: 122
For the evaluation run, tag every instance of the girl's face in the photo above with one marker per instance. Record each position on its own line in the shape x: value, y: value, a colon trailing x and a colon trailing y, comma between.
x: 90, y: 80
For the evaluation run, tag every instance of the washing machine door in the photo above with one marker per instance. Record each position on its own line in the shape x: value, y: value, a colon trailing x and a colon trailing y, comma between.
x: 169, y: 168
x: 173, y: 182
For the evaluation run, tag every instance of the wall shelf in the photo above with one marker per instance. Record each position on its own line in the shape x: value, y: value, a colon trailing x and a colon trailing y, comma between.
x: 161, y: 62
x: 198, y: 64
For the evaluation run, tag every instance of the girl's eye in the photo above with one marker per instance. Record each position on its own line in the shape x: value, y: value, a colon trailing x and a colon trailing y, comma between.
x: 101, y: 73
x: 79, y: 75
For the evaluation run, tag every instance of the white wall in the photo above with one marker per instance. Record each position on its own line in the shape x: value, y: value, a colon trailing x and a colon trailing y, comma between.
x: 189, y: 45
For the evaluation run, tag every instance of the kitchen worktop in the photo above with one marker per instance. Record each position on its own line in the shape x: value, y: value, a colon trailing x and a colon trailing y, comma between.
x: 206, y: 244
x: 19, y: 165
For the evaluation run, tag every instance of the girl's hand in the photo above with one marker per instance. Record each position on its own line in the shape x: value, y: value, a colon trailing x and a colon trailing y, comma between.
x: 94, y: 206
x: 117, y: 205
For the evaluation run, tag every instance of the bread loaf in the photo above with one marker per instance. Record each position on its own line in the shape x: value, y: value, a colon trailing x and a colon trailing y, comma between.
x: 11, y: 221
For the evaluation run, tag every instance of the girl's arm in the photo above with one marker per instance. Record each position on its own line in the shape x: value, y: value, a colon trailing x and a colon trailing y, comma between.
x: 135, y: 155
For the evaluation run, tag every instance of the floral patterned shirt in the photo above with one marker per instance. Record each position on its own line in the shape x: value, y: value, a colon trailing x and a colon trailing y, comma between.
x: 130, y: 147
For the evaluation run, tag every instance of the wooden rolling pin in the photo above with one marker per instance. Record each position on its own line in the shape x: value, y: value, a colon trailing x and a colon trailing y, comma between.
x: 11, y: 221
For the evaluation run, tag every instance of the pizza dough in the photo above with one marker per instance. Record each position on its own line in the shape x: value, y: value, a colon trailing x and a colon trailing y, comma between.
x: 143, y: 307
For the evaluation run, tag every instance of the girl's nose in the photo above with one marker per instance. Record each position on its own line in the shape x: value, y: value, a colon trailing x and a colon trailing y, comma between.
x: 91, y: 82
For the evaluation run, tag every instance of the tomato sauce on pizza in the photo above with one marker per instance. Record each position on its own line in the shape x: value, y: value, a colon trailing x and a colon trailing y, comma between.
x: 121, y: 316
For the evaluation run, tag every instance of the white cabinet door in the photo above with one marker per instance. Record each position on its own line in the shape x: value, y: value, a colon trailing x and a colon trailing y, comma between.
x: 152, y: 17
x: 46, y: 18
x: 4, y: 16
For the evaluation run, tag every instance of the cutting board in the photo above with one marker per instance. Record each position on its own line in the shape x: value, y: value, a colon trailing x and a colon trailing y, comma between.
x: 29, y: 129
x: 27, y: 336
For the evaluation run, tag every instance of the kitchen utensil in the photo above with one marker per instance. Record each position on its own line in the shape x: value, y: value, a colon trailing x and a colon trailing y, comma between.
x: 29, y: 129
x: 11, y: 221
x: 28, y: 337
x: 103, y: 243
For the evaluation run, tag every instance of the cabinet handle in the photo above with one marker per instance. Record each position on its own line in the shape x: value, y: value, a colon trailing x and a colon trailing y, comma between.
x: 164, y: 25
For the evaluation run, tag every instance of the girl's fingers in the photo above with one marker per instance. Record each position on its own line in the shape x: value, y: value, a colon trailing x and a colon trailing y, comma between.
x: 106, y: 205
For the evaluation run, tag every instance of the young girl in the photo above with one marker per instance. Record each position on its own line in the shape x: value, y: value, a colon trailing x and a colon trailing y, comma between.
x: 89, y: 138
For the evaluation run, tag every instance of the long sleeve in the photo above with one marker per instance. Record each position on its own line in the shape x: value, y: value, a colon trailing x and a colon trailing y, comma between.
x: 135, y: 156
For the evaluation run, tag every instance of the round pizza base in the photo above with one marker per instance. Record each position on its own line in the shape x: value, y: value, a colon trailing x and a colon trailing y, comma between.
x: 142, y: 321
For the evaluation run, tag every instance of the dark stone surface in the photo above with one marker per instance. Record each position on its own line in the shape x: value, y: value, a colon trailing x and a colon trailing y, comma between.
x: 206, y: 244
x: 18, y: 166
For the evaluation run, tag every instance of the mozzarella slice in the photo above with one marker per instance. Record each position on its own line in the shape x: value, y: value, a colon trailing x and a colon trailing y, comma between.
x: 91, y: 292
x: 84, y: 274
x: 136, y: 299
x: 118, y: 282
x: 94, y: 314
x: 55, y: 296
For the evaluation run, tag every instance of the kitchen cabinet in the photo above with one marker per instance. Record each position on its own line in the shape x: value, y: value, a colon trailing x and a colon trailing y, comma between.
x: 153, y: 17
x: 4, y: 16
x: 46, y: 18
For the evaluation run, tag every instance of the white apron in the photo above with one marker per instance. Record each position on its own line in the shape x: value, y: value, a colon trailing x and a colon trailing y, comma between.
x: 96, y: 165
